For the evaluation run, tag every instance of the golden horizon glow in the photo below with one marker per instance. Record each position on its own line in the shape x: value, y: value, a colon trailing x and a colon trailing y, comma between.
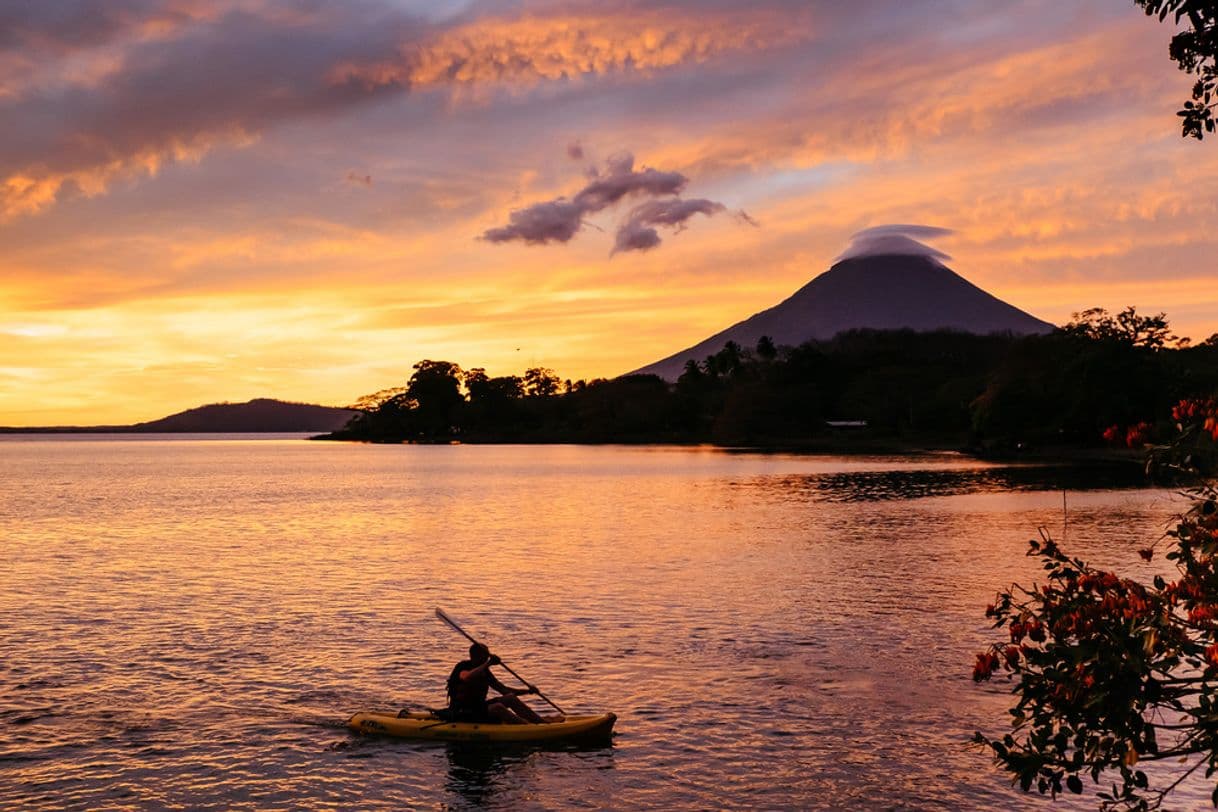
x: 301, y: 220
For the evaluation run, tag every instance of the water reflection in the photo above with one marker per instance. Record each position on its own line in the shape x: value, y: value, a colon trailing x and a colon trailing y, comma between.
x: 873, y: 486
x: 479, y: 774
x: 475, y: 771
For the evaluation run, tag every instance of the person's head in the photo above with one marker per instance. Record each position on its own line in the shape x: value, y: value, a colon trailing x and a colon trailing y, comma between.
x: 478, y: 653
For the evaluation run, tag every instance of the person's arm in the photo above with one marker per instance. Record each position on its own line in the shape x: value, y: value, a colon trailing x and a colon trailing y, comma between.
x: 506, y: 691
x: 469, y: 673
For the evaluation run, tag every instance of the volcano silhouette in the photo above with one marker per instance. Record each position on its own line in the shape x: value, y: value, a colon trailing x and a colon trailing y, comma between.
x: 884, y: 292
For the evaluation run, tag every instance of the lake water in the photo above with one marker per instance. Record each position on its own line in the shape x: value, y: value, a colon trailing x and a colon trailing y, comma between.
x: 185, y: 623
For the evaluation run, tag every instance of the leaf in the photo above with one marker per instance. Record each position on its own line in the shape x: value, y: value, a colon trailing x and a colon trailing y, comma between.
x: 1076, y: 786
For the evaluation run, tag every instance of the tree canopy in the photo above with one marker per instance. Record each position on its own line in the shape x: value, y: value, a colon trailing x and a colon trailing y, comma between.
x: 996, y: 394
x: 1194, y: 50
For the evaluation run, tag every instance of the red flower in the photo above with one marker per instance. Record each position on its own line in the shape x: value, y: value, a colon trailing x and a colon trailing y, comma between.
x: 1112, y: 434
x: 1211, y: 655
x: 1201, y: 614
x: 985, y: 665
x: 1138, y: 435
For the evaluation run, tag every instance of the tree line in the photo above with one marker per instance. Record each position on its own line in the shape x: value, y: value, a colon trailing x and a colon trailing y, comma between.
x: 994, y: 393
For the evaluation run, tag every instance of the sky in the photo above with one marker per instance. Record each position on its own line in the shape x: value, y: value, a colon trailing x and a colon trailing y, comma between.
x: 216, y: 201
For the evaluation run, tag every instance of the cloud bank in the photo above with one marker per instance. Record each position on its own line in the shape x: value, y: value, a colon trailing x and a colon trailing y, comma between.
x: 561, y: 219
x: 96, y: 92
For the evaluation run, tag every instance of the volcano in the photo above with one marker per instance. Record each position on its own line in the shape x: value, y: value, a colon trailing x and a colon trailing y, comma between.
x: 879, y: 292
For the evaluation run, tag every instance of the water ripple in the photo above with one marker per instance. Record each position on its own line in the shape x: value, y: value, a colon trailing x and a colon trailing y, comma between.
x: 187, y: 624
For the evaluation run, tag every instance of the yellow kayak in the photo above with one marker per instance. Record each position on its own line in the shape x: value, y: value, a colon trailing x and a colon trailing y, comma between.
x: 423, y: 725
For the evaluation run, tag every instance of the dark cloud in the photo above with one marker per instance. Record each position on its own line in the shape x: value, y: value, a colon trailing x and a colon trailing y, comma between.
x: 620, y: 180
x: 195, y: 85
x: 359, y: 179
x: 561, y: 219
x: 67, y: 24
x: 638, y: 232
x: 551, y: 221
x: 575, y: 151
x: 895, y: 239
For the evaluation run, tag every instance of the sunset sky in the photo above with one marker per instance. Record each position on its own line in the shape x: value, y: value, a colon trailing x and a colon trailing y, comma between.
x: 209, y: 200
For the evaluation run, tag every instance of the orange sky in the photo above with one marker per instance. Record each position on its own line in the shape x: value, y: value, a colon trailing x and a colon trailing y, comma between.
x: 206, y: 201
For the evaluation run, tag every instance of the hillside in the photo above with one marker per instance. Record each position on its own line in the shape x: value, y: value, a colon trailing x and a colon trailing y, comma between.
x: 255, y: 416
x: 885, y: 292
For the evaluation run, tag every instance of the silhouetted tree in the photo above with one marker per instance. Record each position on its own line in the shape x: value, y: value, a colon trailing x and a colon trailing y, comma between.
x: 1063, y: 388
x: 475, y: 380
x: 766, y: 350
x: 435, y: 388
x: 1194, y: 50
x: 370, y: 403
x: 1126, y: 327
x: 540, y: 382
x: 729, y: 359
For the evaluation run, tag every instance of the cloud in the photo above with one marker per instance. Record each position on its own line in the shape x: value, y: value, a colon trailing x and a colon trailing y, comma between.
x: 895, y: 239
x: 561, y: 219
x: 551, y: 221
x: 105, y: 92
x: 575, y: 151
x: 620, y: 179
x: 359, y: 178
x: 531, y: 49
x: 638, y: 232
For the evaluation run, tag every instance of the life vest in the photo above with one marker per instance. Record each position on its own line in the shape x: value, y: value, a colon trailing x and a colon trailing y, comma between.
x: 467, y: 692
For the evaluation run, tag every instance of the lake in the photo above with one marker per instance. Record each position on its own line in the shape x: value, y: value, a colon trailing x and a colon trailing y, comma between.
x: 186, y: 622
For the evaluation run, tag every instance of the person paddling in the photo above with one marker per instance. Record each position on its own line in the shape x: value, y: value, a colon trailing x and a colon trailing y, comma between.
x: 468, y: 685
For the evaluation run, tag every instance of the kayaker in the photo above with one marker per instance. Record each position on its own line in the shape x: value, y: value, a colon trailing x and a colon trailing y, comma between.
x: 468, y: 685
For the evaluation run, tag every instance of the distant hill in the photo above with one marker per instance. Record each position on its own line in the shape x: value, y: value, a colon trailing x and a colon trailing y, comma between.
x: 885, y: 292
x: 260, y: 415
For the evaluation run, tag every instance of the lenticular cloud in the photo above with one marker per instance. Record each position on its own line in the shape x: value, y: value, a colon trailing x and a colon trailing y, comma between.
x: 898, y: 239
x: 561, y: 219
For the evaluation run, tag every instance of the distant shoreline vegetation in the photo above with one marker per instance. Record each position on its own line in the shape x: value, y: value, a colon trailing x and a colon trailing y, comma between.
x: 1100, y: 375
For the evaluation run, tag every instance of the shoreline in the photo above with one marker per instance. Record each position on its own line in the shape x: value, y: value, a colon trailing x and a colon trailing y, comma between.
x: 839, y: 446
x: 1048, y: 455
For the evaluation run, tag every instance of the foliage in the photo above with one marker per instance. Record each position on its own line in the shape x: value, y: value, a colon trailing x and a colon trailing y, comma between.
x: 1111, y: 672
x: 1094, y: 373
x: 540, y: 382
x: 942, y: 388
x: 1194, y: 50
x: 1126, y: 327
x: 435, y: 389
x: 374, y: 401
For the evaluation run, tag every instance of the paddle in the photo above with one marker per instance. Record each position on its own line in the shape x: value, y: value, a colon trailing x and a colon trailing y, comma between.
x: 440, y: 614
